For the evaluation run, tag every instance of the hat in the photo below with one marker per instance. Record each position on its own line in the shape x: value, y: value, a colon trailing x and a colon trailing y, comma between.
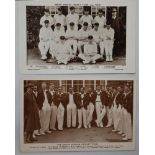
x: 90, y: 37
x: 46, y: 21
x: 62, y: 37
x: 96, y: 24
x: 57, y: 24
x: 72, y: 8
x: 71, y: 24
x: 85, y: 24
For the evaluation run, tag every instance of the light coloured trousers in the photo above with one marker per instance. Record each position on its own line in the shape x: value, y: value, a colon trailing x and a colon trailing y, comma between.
x: 71, y: 115
x: 45, y: 114
x: 53, y: 116
x: 109, y: 115
x: 74, y: 44
x: 82, y: 115
x: 108, y: 47
x: 89, y: 58
x: 90, y: 110
x: 44, y: 46
x: 60, y: 116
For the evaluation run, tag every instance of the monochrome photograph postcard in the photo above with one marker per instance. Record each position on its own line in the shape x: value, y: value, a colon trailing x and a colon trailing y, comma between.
x: 77, y: 115
x: 64, y: 36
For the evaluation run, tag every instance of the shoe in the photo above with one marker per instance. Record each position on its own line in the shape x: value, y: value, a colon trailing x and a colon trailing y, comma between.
x: 89, y: 126
x: 43, y: 57
x: 85, y: 127
x: 54, y: 129
x: 33, y: 139
x: 60, y: 129
x: 34, y: 136
x: 29, y: 141
x: 48, y: 131
x: 125, y: 138
x: 120, y: 132
x: 85, y: 62
x: 94, y: 62
x: 42, y: 133
x: 101, y: 125
x: 97, y: 124
x: 79, y: 126
x: 123, y: 135
x: 108, y: 126
x: 114, y: 130
x: 37, y: 134
x: 49, y: 61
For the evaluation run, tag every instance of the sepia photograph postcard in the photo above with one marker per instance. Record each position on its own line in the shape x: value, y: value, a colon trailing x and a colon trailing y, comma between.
x: 77, y: 115
x: 64, y: 36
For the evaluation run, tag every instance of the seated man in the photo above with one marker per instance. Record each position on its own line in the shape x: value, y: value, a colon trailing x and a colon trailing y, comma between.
x: 45, y: 37
x: 71, y: 34
x: 83, y: 34
x: 90, y: 52
x: 62, y: 51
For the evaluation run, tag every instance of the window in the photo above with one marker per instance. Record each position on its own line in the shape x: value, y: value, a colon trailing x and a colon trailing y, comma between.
x: 77, y: 85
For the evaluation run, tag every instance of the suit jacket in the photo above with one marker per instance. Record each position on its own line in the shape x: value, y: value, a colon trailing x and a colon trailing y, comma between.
x: 119, y: 99
x: 128, y: 102
x: 82, y: 102
x: 110, y: 99
x: 41, y: 98
x: 103, y: 97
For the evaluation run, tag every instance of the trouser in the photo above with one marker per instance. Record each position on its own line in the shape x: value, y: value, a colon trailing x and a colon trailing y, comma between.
x: 120, y: 119
x: 74, y: 44
x: 89, y: 58
x: 45, y: 114
x: 101, y: 116
x: 102, y: 47
x: 44, y: 46
x: 108, y: 49
x: 53, y: 116
x: 60, y: 116
x: 63, y: 58
x: 52, y: 48
x: 116, y: 117
x: 127, y: 124
x: 82, y: 114
x: 80, y: 44
x: 109, y: 115
x: 71, y: 115
x: 90, y: 110
x: 100, y: 112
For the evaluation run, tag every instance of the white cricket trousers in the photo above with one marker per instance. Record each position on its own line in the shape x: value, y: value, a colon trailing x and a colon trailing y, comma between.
x: 53, y: 116
x: 71, y: 115
x: 109, y: 115
x: 45, y: 114
x: 127, y: 124
x: 90, y: 110
x: 116, y: 117
x: 60, y: 116
x: 44, y: 46
x: 82, y: 114
x: 74, y: 44
x: 102, y: 47
x: 100, y: 111
x: 108, y: 47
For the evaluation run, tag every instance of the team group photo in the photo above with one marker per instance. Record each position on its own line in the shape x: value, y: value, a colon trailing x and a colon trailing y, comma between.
x: 76, y: 35
x: 71, y: 111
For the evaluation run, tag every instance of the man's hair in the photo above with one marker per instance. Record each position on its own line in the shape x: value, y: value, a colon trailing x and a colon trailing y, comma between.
x: 60, y: 9
x: 62, y: 37
x: 46, y: 10
x: 46, y: 21
x: 72, y: 8
x: 58, y: 24
x: 96, y: 24
x: 85, y: 24
x: 90, y: 37
x: 100, y: 11
x: 71, y: 24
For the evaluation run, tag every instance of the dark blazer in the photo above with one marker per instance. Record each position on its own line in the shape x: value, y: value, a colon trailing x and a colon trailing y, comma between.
x: 110, y: 99
x: 31, y: 112
x: 128, y: 102
x: 41, y: 98
x: 79, y: 100
x: 119, y: 99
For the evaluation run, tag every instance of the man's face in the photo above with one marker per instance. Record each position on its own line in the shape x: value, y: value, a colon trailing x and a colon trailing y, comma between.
x: 100, y: 14
x: 108, y: 27
x: 59, y: 90
x: 85, y: 27
x: 62, y: 41
x: 126, y: 89
x: 98, y: 88
x: 90, y: 90
x: 46, y: 25
x: 72, y: 11
x: 72, y: 27
x: 35, y: 88
x: 82, y: 90
x: 119, y: 89
x: 59, y: 12
x: 47, y: 14
x: 86, y: 13
x: 51, y: 87
x: 90, y: 41
x: 114, y: 13
x: 96, y: 27
x: 70, y: 90
x: 43, y: 85
x: 58, y: 27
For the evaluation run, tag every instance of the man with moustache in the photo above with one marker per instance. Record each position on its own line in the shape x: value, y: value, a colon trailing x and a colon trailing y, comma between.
x: 71, y: 109
x: 43, y: 101
x: 82, y: 101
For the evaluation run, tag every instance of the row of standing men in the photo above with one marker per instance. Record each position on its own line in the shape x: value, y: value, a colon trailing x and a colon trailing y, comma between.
x: 46, y: 108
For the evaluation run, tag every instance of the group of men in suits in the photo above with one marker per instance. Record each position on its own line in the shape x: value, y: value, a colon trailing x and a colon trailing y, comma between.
x: 49, y: 109
x: 65, y: 41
